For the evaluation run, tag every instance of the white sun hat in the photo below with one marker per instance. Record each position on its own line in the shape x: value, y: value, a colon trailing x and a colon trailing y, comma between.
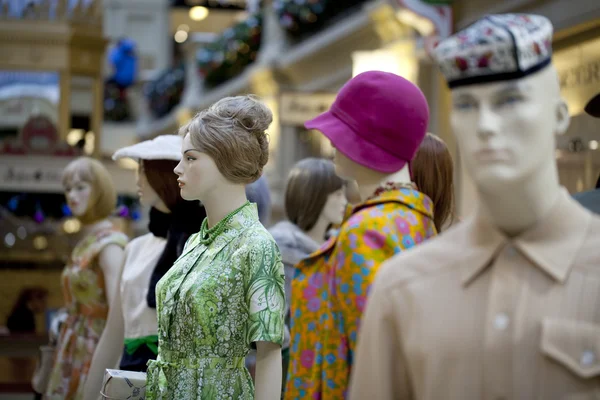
x: 163, y: 147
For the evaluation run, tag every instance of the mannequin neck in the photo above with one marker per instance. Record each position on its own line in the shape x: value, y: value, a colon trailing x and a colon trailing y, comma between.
x: 96, y: 226
x: 162, y: 207
x: 222, y: 201
x: 368, y: 183
x: 516, y: 208
x: 317, y: 232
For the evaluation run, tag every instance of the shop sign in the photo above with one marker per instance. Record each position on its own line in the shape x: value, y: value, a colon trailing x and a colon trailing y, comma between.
x: 31, y: 174
x: 297, y: 108
x: 579, y: 74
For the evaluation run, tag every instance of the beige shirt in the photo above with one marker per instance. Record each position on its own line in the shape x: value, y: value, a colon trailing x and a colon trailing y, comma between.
x: 474, y: 315
x: 142, y: 254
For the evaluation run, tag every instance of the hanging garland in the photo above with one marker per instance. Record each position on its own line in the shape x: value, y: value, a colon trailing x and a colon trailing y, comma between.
x: 228, y: 56
x: 300, y: 17
x: 165, y: 92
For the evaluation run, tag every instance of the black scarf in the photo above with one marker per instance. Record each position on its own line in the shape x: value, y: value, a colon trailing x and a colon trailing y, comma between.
x: 184, y: 221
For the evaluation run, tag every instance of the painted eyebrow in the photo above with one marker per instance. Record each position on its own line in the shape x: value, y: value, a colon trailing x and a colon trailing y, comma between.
x: 189, y: 150
x: 514, y: 88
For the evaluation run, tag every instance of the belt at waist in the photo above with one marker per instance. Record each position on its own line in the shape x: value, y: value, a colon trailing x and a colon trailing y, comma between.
x: 132, y: 344
x: 172, y: 358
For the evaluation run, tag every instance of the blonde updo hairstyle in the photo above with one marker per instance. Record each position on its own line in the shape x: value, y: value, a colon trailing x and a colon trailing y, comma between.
x: 103, y: 196
x: 232, y: 133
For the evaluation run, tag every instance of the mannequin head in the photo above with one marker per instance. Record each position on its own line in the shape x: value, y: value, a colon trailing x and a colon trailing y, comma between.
x: 157, y: 186
x: 506, y: 130
x: 314, y: 193
x: 89, y: 190
x: 224, y: 145
x: 506, y: 99
x: 433, y: 173
x: 376, y: 124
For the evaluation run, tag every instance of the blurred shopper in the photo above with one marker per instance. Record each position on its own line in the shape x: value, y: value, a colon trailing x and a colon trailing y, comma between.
x: 314, y: 200
x: 133, y: 327
x: 31, y: 301
x: 433, y: 173
x: 258, y: 192
x: 591, y: 198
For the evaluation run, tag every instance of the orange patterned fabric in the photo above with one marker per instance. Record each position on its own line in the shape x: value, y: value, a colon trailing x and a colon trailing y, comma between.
x: 85, y: 298
x: 330, y: 289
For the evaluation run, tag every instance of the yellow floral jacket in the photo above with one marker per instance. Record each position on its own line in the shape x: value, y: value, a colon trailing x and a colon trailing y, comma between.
x: 330, y: 288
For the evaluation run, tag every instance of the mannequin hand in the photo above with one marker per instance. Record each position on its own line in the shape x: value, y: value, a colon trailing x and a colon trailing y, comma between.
x: 268, y: 371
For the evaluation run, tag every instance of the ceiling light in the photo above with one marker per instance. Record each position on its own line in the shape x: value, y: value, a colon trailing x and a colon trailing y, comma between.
x: 181, y: 36
x: 198, y: 13
x: 21, y: 232
x: 40, y: 243
x: 9, y: 239
x: 593, y: 144
x: 72, y: 225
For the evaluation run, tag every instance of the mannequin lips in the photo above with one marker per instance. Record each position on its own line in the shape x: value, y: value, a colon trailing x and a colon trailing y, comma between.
x: 492, y: 155
x: 180, y: 183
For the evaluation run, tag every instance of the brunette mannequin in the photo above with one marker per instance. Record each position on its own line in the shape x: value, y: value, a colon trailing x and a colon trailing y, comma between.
x: 97, y: 260
x: 209, y: 314
x: 504, y: 304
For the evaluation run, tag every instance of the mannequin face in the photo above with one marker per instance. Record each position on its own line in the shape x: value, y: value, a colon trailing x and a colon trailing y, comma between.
x: 198, y: 175
x: 333, y: 210
x: 505, y: 130
x: 78, y: 193
x: 344, y: 167
x: 148, y: 196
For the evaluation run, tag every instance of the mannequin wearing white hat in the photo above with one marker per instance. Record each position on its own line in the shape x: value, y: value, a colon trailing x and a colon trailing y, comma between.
x: 132, y: 332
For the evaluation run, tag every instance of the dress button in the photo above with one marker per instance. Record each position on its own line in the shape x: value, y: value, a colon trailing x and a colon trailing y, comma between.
x: 588, y: 358
x: 501, y: 321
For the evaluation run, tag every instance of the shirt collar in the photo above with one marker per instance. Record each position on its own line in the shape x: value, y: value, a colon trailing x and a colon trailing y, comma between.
x: 552, y: 244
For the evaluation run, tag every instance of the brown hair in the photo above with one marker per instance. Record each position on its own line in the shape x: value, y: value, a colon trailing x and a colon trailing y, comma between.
x: 232, y: 133
x: 163, y: 181
x: 433, y: 173
x: 103, y: 198
x: 309, y: 183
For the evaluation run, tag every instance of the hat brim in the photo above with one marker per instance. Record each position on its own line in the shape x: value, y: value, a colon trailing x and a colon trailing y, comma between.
x: 353, y: 146
x: 593, y: 106
x: 148, y: 150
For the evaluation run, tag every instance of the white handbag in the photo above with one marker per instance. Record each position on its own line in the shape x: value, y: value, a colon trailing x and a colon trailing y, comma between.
x: 43, y: 368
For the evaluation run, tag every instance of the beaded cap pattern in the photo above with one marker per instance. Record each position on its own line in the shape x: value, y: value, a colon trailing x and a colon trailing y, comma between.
x: 496, y: 48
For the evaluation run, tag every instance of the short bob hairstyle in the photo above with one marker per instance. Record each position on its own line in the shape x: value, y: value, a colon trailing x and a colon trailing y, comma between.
x: 163, y: 181
x: 232, y: 133
x: 103, y: 197
x: 433, y: 173
x: 309, y: 184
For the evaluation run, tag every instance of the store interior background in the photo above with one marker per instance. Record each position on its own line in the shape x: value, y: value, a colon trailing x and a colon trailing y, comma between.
x: 54, y: 104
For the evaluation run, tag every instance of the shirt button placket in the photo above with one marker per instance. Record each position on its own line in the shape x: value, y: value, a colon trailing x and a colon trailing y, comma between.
x: 502, y: 301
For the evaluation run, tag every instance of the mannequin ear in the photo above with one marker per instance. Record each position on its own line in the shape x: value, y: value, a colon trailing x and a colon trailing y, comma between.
x: 563, y: 119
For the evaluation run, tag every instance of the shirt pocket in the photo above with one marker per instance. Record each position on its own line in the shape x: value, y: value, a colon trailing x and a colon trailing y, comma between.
x: 575, y: 345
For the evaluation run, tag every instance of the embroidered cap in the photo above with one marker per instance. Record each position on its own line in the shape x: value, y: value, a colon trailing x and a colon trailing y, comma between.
x: 496, y: 48
x: 163, y: 147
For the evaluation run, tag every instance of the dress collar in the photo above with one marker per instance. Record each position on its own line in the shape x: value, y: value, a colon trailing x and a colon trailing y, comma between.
x: 551, y: 244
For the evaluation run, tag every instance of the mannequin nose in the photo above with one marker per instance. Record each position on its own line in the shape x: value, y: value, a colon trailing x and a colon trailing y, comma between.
x: 486, y: 124
x: 177, y: 169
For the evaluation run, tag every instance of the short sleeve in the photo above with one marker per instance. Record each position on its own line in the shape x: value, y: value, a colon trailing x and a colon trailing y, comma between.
x: 265, y: 294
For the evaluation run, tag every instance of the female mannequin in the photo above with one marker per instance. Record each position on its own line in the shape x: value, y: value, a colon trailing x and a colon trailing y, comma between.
x: 376, y: 125
x: 433, y: 173
x: 90, y: 280
x: 314, y: 200
x: 148, y: 257
x: 226, y: 291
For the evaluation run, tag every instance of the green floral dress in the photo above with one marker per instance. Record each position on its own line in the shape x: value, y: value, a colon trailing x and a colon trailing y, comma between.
x: 224, y: 293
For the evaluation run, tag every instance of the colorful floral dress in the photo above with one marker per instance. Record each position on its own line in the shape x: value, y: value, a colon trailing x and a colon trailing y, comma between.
x: 330, y: 288
x: 85, y: 298
x: 224, y: 293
